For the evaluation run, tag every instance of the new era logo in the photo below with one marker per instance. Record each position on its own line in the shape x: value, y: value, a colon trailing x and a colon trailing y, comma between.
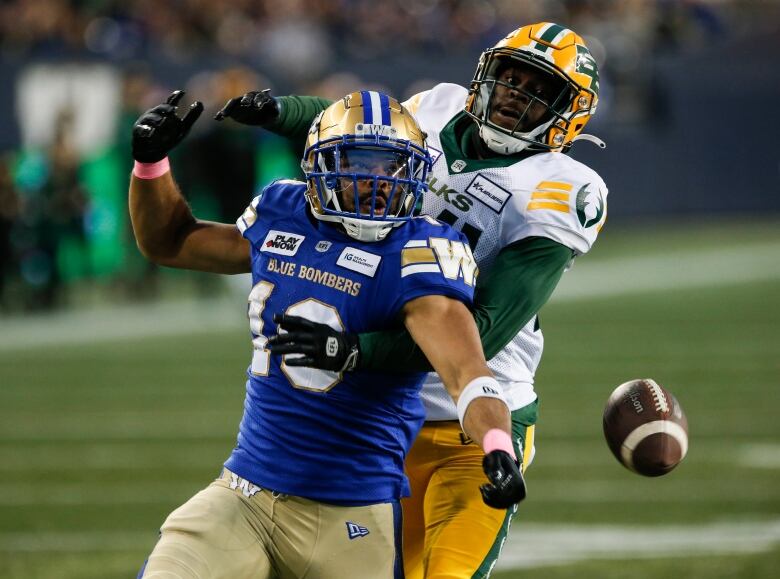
x: 355, y: 531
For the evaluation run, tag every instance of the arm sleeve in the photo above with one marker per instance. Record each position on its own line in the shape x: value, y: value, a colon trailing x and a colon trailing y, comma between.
x: 296, y: 114
x: 520, y: 282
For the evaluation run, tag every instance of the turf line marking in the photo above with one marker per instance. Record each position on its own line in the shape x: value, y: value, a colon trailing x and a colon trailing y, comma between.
x: 531, y: 545
x: 589, y: 279
x: 95, y: 494
x: 528, y: 546
x: 76, y: 542
x: 765, y: 456
x: 684, y: 269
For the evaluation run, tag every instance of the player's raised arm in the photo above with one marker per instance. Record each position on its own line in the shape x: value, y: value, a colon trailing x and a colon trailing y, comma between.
x: 165, y: 230
x: 287, y: 116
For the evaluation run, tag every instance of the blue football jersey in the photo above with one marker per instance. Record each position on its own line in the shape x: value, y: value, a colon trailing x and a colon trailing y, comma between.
x: 336, y: 438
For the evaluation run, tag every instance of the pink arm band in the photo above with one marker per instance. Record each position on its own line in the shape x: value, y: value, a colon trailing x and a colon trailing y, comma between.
x: 151, y: 170
x: 497, y: 439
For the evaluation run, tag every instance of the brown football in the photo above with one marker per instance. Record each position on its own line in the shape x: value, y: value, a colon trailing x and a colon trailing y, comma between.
x: 645, y: 427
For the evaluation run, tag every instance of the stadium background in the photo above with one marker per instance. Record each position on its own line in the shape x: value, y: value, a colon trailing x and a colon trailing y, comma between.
x: 120, y: 383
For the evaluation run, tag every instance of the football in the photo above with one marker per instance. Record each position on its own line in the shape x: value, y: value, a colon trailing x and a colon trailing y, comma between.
x: 645, y: 427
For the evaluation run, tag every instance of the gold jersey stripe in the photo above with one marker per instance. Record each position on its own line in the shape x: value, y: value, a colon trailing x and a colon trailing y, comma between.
x: 550, y: 195
x: 555, y: 185
x: 528, y: 448
x: 554, y: 205
x: 417, y: 255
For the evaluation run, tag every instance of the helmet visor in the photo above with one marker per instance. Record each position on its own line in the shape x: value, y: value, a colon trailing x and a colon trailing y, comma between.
x: 524, y: 96
x: 370, y: 182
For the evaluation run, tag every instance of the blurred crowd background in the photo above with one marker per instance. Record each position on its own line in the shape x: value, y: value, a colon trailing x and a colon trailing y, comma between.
x: 689, y: 109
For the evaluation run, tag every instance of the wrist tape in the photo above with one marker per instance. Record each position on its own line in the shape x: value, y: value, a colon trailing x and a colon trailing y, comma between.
x: 497, y: 439
x: 151, y: 170
x: 482, y: 387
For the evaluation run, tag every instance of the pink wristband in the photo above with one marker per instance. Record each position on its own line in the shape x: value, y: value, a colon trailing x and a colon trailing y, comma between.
x: 497, y: 439
x: 151, y: 170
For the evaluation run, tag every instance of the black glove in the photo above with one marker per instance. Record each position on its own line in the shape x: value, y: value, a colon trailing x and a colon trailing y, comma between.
x: 159, y: 130
x: 322, y: 346
x: 507, y: 486
x: 253, y: 108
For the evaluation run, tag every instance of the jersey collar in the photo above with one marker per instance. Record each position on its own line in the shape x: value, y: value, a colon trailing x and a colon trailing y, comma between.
x: 459, y: 150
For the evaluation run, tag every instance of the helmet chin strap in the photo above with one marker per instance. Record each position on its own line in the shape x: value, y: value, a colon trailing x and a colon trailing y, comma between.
x: 591, y: 139
x: 499, y: 142
x: 503, y: 144
x: 367, y: 231
x: 359, y: 229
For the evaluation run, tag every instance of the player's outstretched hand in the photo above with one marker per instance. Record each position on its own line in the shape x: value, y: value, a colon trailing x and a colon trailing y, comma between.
x: 507, y: 486
x: 318, y: 345
x: 257, y: 108
x: 159, y: 130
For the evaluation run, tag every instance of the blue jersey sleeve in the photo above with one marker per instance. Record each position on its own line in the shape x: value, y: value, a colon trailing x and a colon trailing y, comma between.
x: 276, y: 201
x: 248, y: 217
x: 435, y: 260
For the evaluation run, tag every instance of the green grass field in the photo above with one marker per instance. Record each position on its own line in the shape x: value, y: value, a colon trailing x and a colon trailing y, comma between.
x: 101, y: 437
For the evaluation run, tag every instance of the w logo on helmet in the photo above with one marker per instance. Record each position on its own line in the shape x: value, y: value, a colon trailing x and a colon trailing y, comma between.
x: 355, y: 531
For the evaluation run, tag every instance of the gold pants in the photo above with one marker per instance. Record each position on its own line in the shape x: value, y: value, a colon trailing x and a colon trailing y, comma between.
x: 235, y: 530
x: 448, y: 532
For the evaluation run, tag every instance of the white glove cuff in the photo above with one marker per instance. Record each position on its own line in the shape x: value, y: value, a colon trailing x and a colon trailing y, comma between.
x: 482, y: 387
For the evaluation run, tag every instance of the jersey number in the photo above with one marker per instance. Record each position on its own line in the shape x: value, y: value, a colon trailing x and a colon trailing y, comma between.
x: 471, y: 232
x: 315, y: 310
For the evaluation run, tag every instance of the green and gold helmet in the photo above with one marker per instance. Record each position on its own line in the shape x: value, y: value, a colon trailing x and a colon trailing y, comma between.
x: 555, y: 54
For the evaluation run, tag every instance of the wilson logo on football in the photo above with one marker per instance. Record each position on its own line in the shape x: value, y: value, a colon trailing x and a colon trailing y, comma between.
x: 282, y: 242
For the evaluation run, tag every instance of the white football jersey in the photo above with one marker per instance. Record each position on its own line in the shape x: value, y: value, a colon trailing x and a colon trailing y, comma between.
x: 495, y: 202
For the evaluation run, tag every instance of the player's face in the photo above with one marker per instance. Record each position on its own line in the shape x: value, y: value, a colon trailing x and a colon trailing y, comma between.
x: 370, y: 162
x: 519, y: 89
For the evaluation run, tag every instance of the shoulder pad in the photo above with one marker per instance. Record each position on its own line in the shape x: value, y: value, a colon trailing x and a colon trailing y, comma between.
x: 249, y: 216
